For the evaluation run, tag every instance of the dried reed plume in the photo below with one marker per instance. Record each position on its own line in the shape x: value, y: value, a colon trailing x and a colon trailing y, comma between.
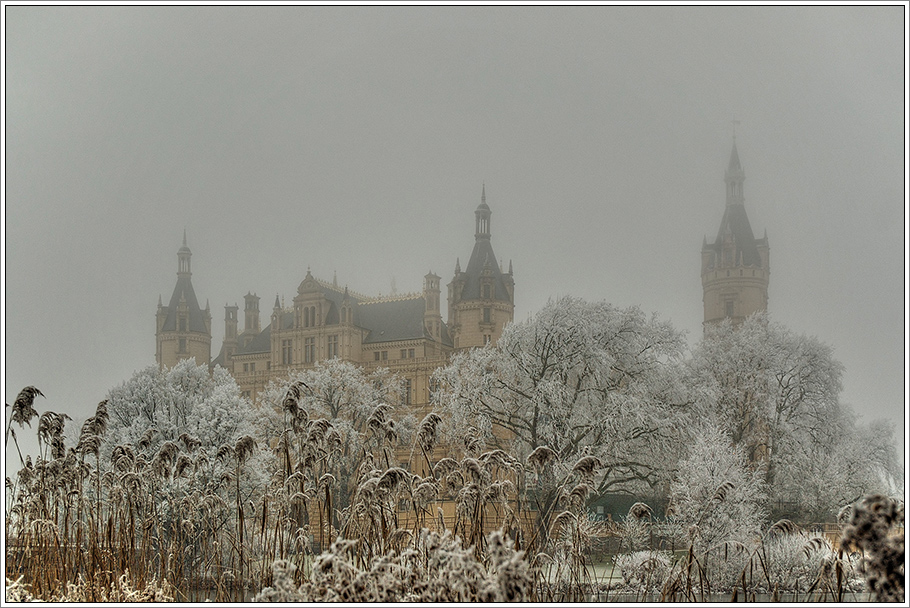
x: 541, y: 457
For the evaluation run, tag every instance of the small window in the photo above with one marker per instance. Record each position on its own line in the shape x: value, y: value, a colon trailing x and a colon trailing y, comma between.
x: 309, y: 350
x: 246, y: 367
x: 404, y: 353
x: 384, y: 355
x: 252, y: 367
x: 410, y: 353
x: 181, y: 346
x: 728, y: 308
x: 332, y: 344
x: 376, y: 356
x: 486, y: 315
x: 287, y: 352
x: 486, y: 338
x: 182, y: 323
x: 407, y: 392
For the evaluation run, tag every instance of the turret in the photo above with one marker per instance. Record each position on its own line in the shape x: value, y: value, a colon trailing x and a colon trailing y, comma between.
x: 481, y: 298
x: 432, y: 316
x: 183, y: 329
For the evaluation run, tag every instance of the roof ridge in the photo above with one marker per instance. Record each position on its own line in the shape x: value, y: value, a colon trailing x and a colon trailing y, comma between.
x: 337, y: 289
x: 414, y: 295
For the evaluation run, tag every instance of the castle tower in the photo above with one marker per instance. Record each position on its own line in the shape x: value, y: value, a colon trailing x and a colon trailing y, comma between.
x: 432, y: 316
x: 735, y: 269
x: 183, y: 329
x: 481, y: 299
x: 251, y: 326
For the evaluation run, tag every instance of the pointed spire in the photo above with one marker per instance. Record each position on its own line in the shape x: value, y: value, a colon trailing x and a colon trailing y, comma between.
x: 159, y: 301
x: 457, y: 266
x: 277, y: 303
x: 734, y: 178
x: 483, y: 193
x: 334, y: 278
x: 183, y: 258
x: 735, y: 165
x: 510, y: 266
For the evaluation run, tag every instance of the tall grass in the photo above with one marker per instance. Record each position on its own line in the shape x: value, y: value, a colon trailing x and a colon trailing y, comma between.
x: 156, y: 525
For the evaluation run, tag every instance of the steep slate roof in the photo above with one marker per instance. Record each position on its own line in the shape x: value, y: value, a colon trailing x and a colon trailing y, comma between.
x: 387, y: 321
x: 483, y: 254
x: 184, y: 289
x: 736, y: 222
x: 392, y: 320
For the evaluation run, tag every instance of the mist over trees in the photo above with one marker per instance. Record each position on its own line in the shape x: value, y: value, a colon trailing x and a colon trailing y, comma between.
x: 582, y: 400
x: 585, y: 378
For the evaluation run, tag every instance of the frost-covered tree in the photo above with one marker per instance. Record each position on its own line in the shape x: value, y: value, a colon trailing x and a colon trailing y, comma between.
x: 839, y: 464
x: 715, y: 496
x: 581, y: 379
x: 171, y: 402
x: 717, y: 504
x: 164, y: 448
x: 774, y: 389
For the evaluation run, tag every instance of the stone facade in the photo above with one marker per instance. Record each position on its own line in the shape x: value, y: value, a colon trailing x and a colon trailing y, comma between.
x: 735, y: 268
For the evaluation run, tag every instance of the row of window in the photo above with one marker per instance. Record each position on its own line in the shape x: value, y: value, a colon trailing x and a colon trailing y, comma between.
x: 309, y: 350
x: 383, y: 355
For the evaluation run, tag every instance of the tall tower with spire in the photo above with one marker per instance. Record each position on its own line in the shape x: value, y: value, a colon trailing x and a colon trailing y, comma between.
x: 735, y: 268
x: 183, y: 329
x: 482, y: 297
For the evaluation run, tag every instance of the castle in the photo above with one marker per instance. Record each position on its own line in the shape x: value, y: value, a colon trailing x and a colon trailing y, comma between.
x: 406, y: 333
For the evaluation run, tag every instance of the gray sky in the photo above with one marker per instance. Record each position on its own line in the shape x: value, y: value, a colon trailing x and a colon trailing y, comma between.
x: 356, y: 140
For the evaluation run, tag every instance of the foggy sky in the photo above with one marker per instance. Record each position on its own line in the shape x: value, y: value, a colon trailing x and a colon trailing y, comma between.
x: 356, y: 140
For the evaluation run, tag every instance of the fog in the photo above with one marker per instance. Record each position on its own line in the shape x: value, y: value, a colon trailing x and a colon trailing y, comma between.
x: 356, y: 141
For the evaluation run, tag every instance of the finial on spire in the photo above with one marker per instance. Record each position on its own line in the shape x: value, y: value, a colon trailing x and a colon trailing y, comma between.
x: 483, y: 193
x: 184, y: 236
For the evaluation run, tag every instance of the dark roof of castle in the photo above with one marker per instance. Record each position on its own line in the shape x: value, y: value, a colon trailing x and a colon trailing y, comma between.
x: 184, y: 290
x: 480, y: 257
x: 387, y: 321
x: 736, y: 223
x: 392, y: 320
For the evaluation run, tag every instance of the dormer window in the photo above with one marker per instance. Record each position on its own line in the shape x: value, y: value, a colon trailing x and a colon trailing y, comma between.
x: 486, y: 291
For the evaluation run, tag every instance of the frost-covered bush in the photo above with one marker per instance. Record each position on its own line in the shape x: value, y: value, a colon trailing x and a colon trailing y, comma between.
x: 717, y: 507
x: 121, y: 590
x: 716, y: 498
x: 876, y: 527
x: 797, y: 562
x: 437, y: 569
x: 643, y: 571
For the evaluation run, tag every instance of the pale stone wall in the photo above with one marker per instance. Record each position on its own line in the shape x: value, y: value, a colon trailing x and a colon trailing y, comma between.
x: 745, y: 287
